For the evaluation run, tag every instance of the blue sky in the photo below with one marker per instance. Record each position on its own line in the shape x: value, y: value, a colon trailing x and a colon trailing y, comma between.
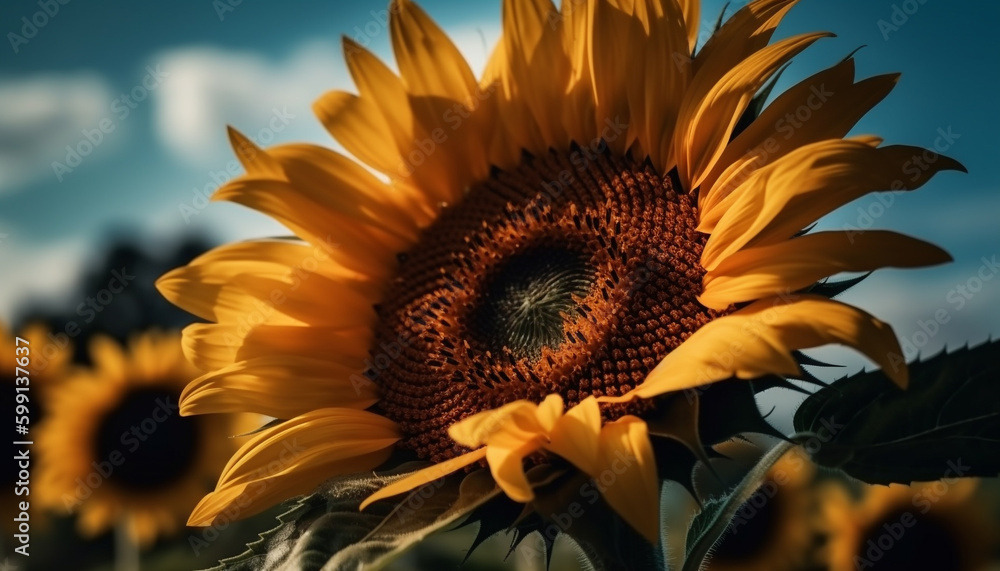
x: 198, y: 65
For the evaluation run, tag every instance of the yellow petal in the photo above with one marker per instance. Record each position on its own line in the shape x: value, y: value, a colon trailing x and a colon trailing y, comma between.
x: 712, y: 106
x: 37, y: 335
x: 378, y: 84
x: 522, y: 419
x: 537, y: 68
x: 475, y: 430
x: 445, y: 99
x: 575, y: 435
x: 626, y: 473
x: 692, y: 14
x: 429, y: 62
x: 211, y: 346
x: 824, y: 106
x: 244, y: 499
x: 362, y: 248
x: 510, y: 433
x: 320, y: 437
x: 267, y: 293
x: 278, y: 386
x: 662, y: 86
x: 96, y: 517
x: 758, y: 340
x: 232, y: 259
x: 746, y: 32
x: 358, y: 124
x: 548, y: 413
x: 254, y: 159
x: 505, y: 455
x: 796, y: 190
x: 294, y: 457
x: 612, y: 31
x: 108, y: 357
x: 578, y: 114
x: 759, y: 272
x: 342, y: 186
x: 425, y: 476
x: 517, y: 131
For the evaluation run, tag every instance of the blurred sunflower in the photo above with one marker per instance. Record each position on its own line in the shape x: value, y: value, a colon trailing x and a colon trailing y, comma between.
x: 771, y: 531
x: 942, y: 526
x: 594, y: 222
x: 47, y: 363
x: 114, y: 448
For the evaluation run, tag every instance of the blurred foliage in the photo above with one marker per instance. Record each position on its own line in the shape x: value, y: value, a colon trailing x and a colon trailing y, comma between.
x: 137, y: 307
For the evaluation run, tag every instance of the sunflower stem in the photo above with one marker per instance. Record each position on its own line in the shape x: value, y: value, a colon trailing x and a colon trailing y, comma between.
x: 126, y: 549
x: 700, y: 548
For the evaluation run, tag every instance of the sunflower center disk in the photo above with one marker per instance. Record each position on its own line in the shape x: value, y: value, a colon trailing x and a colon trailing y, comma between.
x: 572, y: 274
x: 522, y: 308
x: 931, y: 543
x: 158, y: 445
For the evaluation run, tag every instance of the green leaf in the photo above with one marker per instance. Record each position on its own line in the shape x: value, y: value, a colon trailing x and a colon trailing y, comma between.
x: 326, y: 529
x: 945, y: 424
x: 711, y: 523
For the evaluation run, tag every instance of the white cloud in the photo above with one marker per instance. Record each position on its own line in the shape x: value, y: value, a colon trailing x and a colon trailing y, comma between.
x: 211, y: 87
x: 40, y: 115
x: 44, y: 272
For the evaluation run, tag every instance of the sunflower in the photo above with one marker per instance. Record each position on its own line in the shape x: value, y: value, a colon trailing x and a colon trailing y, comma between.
x: 46, y: 360
x: 114, y: 448
x: 515, y: 268
x: 942, y: 526
x: 771, y: 530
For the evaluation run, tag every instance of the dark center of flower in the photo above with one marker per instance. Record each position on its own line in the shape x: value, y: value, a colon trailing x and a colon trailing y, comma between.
x: 154, y: 446
x: 523, y: 305
x: 928, y: 542
x: 572, y: 274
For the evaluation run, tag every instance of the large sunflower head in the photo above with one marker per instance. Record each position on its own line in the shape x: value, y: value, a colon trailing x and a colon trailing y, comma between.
x: 114, y: 448
x: 601, y: 219
x: 943, y: 525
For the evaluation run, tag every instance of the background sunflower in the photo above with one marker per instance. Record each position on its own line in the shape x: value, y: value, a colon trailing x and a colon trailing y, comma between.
x: 775, y: 530
x: 60, y: 84
x: 115, y: 450
x: 934, y: 525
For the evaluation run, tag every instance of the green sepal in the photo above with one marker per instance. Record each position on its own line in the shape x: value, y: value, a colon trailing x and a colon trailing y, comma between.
x: 327, y: 530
